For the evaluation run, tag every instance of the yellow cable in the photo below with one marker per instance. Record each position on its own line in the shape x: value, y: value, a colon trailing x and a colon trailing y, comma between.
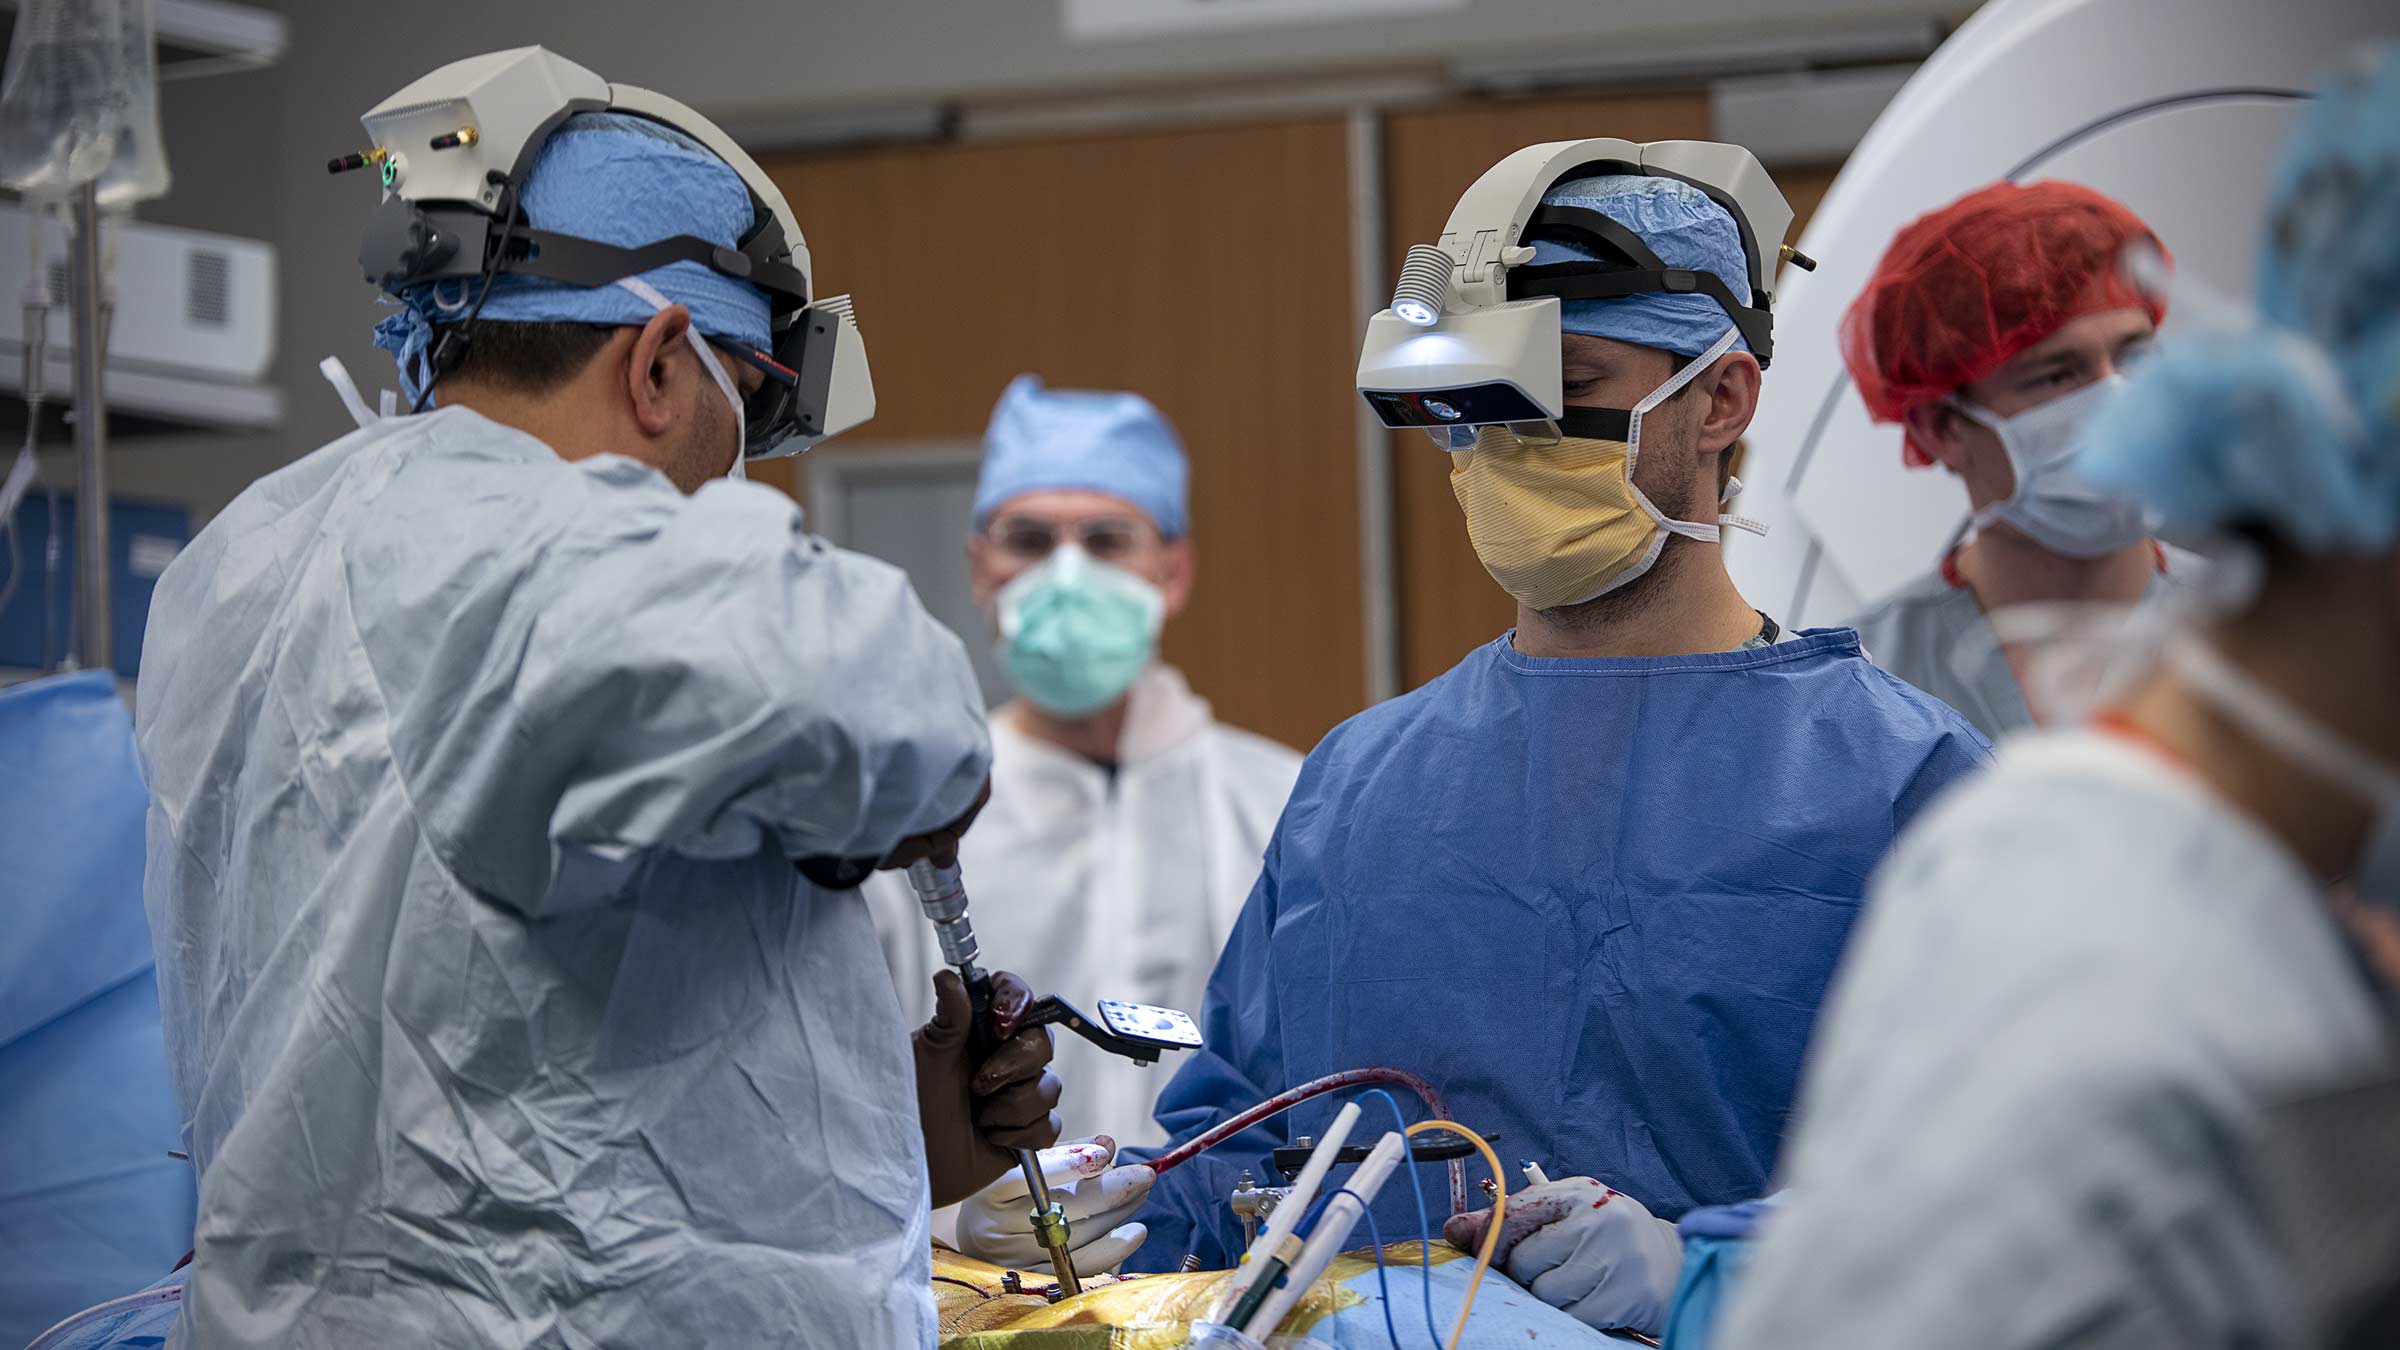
x: 1491, y: 1234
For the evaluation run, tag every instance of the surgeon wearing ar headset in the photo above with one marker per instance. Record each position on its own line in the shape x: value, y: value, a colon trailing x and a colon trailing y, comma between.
x: 1592, y: 881
x: 512, y: 775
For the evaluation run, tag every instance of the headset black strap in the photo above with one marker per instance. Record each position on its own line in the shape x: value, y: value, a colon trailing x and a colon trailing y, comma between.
x: 1590, y: 281
x: 587, y: 262
x: 1560, y: 224
x: 1628, y: 267
x: 1597, y: 424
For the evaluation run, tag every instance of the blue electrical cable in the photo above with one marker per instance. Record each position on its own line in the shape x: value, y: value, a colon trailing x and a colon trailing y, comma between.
x: 1382, y: 1281
x: 1390, y: 1328
x: 1424, y: 1225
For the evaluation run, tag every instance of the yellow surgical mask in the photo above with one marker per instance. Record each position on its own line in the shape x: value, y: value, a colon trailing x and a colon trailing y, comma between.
x: 1560, y: 522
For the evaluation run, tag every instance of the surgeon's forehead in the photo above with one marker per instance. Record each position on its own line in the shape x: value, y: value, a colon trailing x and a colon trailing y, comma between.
x: 2105, y: 330
x: 1604, y: 356
x: 1067, y: 506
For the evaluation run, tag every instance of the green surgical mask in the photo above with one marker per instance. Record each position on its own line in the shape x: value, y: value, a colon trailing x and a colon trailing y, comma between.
x: 1074, y: 633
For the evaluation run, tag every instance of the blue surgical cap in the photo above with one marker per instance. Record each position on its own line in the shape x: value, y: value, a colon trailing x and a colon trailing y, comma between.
x: 1686, y: 228
x: 1082, y: 438
x: 619, y: 180
x: 2293, y: 421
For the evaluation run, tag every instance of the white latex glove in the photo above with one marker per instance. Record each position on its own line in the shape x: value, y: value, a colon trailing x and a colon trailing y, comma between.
x: 996, y: 1223
x: 1580, y: 1247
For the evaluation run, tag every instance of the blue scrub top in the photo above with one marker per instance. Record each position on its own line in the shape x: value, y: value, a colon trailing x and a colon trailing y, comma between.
x: 1595, y: 901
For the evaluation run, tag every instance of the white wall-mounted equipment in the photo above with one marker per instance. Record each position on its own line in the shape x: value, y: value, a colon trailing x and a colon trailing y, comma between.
x: 212, y: 37
x: 204, y: 37
x: 193, y: 331
x: 2176, y: 107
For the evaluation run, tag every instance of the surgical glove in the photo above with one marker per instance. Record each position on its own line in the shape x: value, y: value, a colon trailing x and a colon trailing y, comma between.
x: 996, y: 1225
x: 1585, y: 1249
x: 976, y: 1113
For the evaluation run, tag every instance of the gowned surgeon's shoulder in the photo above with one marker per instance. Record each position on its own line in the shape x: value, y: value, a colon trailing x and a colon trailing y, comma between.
x: 464, y: 511
x: 2072, y: 1176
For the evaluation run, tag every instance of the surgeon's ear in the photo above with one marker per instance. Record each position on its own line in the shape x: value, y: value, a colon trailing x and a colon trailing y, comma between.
x: 984, y: 574
x: 651, y: 376
x: 1940, y: 432
x: 1732, y: 400
x: 1175, y: 574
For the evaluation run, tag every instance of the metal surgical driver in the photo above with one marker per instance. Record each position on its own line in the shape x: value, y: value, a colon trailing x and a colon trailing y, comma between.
x: 944, y: 898
x: 1134, y: 1030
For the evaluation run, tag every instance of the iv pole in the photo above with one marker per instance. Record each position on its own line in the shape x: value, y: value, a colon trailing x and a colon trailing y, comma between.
x: 93, y: 631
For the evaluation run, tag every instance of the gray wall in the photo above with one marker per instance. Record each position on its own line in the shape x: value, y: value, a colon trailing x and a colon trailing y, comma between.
x: 249, y: 149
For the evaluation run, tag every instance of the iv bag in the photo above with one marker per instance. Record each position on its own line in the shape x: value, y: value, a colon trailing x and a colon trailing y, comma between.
x: 137, y: 172
x: 79, y: 101
x: 58, y: 120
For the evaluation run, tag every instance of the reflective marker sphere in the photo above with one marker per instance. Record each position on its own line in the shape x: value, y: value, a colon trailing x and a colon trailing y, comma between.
x: 1416, y: 312
x: 1445, y: 411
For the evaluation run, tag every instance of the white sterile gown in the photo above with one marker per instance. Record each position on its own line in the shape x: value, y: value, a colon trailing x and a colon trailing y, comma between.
x: 2030, y: 1107
x: 498, y: 1012
x: 1096, y: 885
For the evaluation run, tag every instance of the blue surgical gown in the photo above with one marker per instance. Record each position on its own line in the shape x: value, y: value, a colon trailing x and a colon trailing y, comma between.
x: 1594, y: 901
x: 91, y: 1206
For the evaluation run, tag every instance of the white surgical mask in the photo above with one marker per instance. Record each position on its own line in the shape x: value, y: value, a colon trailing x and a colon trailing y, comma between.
x: 2266, y: 715
x: 715, y: 368
x: 2052, y: 504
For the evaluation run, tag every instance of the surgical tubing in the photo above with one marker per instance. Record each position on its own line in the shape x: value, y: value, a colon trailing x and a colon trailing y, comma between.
x: 1491, y: 1230
x: 1286, y: 1100
x: 60, y: 1334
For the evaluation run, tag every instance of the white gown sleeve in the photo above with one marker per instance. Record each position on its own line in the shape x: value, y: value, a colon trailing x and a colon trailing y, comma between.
x: 659, y: 672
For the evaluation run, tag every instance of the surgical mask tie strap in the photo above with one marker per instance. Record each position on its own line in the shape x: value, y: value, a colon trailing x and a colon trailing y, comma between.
x: 1733, y: 489
x: 1982, y: 517
x: 1690, y: 529
x: 1668, y: 390
x: 338, y: 375
x: 1982, y: 417
x: 709, y: 363
x: 2282, y: 728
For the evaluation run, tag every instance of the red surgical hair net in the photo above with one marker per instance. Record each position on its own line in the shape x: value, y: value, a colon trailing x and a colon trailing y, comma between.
x: 1963, y: 289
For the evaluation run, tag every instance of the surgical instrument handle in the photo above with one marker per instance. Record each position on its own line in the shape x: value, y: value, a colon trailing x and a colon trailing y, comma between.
x: 943, y: 896
x: 942, y: 893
